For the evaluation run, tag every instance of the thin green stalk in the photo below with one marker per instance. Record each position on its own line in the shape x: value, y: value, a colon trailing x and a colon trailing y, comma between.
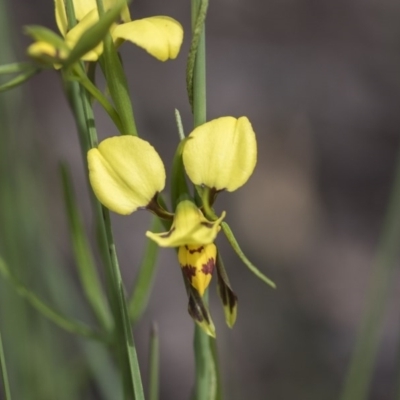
x: 124, y: 333
x: 83, y: 256
x: 154, y: 363
x: 4, y: 375
x: 199, y: 70
x: 122, y: 337
x: 205, y: 387
x: 54, y: 316
x: 96, y: 93
x: 144, y: 281
x: 381, y: 280
x: 117, y: 82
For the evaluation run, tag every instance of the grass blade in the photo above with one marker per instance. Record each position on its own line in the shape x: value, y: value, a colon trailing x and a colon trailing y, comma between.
x: 144, y: 281
x: 54, y: 316
x: 154, y: 363
x: 20, y: 79
x: 4, y: 376
x: 83, y: 256
x: 136, y: 379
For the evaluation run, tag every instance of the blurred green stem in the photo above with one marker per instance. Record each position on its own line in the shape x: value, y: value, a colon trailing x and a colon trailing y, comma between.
x: 381, y: 280
x: 154, y: 363
x: 4, y: 376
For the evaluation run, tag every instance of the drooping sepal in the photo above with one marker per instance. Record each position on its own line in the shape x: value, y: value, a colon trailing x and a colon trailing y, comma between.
x: 198, y: 310
x: 198, y: 263
x: 228, y: 297
x: 189, y: 227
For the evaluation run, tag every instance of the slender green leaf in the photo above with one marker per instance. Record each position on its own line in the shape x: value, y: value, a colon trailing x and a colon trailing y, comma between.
x: 94, y: 35
x: 83, y: 256
x: 14, y: 68
x: 53, y: 315
x: 4, y: 376
x: 144, y: 281
x: 235, y: 245
x: 20, y: 79
x: 136, y: 379
x: 118, y: 87
x: 154, y: 363
x: 80, y: 76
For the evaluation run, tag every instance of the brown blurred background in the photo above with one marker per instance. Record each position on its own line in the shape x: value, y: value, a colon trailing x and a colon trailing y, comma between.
x: 320, y: 81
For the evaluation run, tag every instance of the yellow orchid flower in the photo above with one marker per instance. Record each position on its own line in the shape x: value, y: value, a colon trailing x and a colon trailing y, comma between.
x: 221, y: 154
x: 160, y: 36
x: 125, y: 173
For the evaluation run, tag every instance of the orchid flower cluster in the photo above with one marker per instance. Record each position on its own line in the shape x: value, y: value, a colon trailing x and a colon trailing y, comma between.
x: 127, y: 174
x: 160, y: 36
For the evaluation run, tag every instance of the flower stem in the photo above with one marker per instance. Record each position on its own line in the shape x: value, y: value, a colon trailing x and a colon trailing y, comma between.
x: 122, y: 335
x: 205, y: 367
x: 3, y: 368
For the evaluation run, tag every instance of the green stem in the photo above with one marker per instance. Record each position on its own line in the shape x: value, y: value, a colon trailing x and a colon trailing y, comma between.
x: 205, y: 367
x: 154, y: 363
x: 63, y: 322
x: 96, y: 93
x: 122, y: 335
x: 199, y: 71
x: 381, y: 280
x: 4, y: 375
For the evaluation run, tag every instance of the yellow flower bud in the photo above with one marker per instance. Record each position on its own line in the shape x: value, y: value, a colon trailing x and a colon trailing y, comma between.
x: 125, y: 172
x: 46, y: 53
x: 189, y: 227
x: 221, y: 154
x: 197, y: 263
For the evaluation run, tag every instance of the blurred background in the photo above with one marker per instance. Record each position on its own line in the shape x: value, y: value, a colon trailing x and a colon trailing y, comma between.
x: 320, y: 82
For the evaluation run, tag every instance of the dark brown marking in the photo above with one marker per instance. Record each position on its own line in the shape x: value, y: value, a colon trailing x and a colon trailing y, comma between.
x: 208, y: 268
x: 196, y: 250
x: 189, y: 271
x: 167, y: 234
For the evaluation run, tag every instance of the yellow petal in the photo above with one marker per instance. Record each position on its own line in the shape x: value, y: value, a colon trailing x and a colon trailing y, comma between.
x: 189, y: 227
x: 79, y: 29
x: 221, y: 154
x: 160, y: 36
x: 82, y: 8
x: 197, y: 263
x: 125, y: 173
